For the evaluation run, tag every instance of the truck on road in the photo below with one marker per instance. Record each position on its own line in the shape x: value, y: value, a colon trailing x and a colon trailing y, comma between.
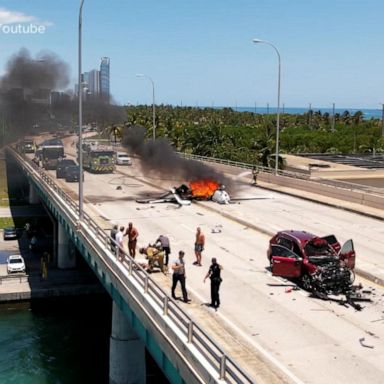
x: 52, y: 151
x: 98, y: 158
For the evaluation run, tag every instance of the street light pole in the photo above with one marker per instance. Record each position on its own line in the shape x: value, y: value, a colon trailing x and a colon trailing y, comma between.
x: 256, y: 41
x: 80, y: 148
x: 382, y: 120
x: 153, y: 105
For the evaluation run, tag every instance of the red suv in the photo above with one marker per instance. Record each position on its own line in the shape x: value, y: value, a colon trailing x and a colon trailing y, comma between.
x: 297, y: 254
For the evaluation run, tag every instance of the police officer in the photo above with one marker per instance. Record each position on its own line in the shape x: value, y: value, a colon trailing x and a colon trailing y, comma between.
x: 214, y: 274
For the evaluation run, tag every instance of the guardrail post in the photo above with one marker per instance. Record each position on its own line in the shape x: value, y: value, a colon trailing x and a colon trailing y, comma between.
x: 222, y: 367
x: 146, y: 284
x: 165, y: 308
x: 190, y: 332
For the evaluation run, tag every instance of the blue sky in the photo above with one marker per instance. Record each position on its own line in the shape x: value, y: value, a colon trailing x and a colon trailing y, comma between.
x: 200, y: 52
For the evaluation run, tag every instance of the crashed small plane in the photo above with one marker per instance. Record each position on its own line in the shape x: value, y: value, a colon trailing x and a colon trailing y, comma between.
x: 205, y: 189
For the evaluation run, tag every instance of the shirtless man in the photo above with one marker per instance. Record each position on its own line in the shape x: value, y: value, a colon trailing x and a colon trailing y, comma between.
x: 199, y: 246
x: 132, y: 234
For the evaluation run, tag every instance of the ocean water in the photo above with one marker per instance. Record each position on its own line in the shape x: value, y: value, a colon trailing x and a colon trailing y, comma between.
x: 62, y: 341
x: 367, y: 113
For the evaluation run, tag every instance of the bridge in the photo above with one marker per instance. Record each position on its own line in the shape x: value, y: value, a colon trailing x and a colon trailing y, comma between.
x: 182, y: 340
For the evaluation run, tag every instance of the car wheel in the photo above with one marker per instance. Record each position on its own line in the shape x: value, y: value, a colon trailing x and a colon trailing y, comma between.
x: 306, y: 282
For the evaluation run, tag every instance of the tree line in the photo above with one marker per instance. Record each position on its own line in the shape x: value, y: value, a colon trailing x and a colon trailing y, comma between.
x: 251, y: 138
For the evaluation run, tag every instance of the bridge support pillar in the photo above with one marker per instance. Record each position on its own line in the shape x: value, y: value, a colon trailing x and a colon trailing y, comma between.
x: 33, y: 197
x: 127, y: 352
x: 65, y: 258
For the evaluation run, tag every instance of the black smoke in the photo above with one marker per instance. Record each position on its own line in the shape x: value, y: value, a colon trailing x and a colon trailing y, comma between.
x: 45, y: 71
x: 25, y: 92
x: 158, y: 158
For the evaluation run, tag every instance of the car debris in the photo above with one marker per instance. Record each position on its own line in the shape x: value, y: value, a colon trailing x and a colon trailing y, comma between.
x: 320, y: 264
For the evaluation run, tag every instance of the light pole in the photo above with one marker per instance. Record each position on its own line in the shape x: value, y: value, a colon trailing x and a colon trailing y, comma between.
x: 333, y: 117
x: 382, y: 120
x: 257, y: 41
x: 153, y: 105
x: 80, y: 91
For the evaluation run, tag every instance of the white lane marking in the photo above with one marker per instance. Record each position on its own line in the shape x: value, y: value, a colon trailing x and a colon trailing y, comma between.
x: 242, y: 174
x: 262, y: 350
x: 188, y: 228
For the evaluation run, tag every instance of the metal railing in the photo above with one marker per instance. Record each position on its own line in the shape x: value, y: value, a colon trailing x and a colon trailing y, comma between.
x: 227, y: 369
x: 296, y: 175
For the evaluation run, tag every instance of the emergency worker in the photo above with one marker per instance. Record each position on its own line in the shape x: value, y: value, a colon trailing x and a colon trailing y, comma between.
x: 154, y: 256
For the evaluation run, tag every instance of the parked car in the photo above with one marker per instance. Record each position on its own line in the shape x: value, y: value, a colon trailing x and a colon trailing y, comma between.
x: 123, y: 159
x: 297, y: 254
x: 62, y: 165
x: 72, y: 173
x: 15, y: 263
x: 10, y: 233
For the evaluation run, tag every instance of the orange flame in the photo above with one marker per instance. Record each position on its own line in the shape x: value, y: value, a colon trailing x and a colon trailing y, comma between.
x: 203, y: 188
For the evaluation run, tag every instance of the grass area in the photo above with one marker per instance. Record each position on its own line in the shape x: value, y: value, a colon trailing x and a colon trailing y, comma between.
x: 4, y: 202
x: 18, y: 222
x: 6, y: 222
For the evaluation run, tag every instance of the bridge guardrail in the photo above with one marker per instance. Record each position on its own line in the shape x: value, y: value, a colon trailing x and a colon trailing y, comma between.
x: 297, y: 175
x: 227, y: 369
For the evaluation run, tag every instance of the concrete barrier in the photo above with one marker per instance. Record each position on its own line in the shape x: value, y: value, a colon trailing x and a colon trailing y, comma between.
x: 357, y: 197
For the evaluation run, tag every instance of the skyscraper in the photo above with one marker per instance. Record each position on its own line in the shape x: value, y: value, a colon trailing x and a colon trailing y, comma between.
x: 92, y: 78
x: 104, y: 78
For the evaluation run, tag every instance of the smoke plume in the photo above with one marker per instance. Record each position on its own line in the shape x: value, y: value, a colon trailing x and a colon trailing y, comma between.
x: 25, y: 92
x: 46, y: 71
x: 158, y: 158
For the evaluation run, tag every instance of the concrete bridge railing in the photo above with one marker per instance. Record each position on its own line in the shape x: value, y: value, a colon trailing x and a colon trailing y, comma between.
x: 191, y: 343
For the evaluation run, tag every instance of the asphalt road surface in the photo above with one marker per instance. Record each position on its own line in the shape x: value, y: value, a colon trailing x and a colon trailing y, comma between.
x: 312, y: 341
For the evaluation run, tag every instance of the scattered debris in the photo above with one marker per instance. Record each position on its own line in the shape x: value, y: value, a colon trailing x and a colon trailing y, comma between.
x: 119, y: 187
x: 365, y: 345
x: 216, y: 229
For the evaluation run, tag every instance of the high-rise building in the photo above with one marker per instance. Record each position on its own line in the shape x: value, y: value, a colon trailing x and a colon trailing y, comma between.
x: 92, y: 80
x: 104, y: 78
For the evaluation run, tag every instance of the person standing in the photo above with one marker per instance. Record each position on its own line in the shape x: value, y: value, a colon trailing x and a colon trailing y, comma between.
x: 163, y: 241
x: 214, y: 273
x: 199, y: 246
x: 178, y: 267
x: 120, y: 244
x: 255, y: 172
x: 132, y: 234
x: 114, y: 232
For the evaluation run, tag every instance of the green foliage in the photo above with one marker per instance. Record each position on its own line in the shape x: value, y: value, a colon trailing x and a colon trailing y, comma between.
x: 249, y: 137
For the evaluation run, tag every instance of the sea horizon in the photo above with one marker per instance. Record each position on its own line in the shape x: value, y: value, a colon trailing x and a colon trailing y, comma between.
x: 368, y: 113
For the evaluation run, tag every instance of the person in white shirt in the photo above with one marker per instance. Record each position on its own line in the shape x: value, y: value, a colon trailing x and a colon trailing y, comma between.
x: 120, y: 244
x: 178, y: 267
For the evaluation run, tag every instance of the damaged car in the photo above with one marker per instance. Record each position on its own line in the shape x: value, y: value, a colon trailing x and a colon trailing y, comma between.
x: 320, y: 264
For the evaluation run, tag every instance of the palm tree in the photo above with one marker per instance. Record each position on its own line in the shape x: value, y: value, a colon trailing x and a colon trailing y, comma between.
x: 115, y: 130
x: 265, y: 155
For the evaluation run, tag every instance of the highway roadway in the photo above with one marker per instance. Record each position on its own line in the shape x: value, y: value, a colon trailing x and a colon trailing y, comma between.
x: 305, y: 339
